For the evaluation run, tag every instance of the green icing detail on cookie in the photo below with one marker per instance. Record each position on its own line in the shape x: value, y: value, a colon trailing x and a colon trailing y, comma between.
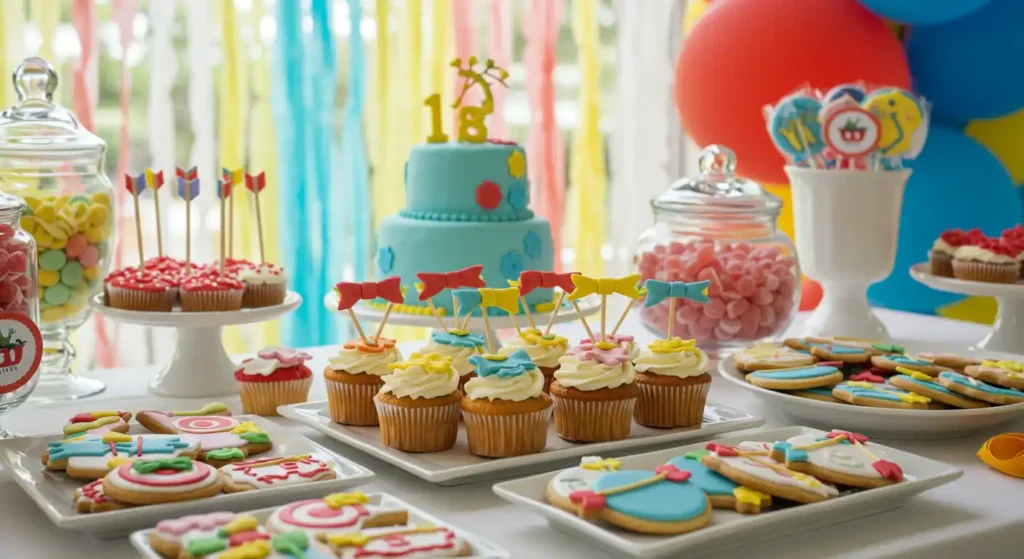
x: 255, y: 438
x: 225, y: 454
x: 889, y: 348
x: 696, y: 455
x: 206, y: 546
x: 292, y: 543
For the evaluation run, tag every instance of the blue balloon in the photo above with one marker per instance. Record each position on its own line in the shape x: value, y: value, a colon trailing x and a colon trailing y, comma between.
x: 956, y: 182
x: 966, y: 68
x: 923, y: 12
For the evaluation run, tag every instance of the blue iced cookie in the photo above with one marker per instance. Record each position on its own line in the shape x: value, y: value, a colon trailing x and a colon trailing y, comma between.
x: 650, y: 502
x: 796, y: 378
x: 721, y: 491
x: 925, y: 385
x: 890, y: 362
x: 979, y: 390
x: 862, y: 393
x: 839, y: 352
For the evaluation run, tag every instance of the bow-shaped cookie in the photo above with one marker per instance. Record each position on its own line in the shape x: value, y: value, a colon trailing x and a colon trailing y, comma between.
x: 435, y: 283
x: 179, y: 463
x: 658, y: 291
x: 585, y: 285
x: 352, y: 292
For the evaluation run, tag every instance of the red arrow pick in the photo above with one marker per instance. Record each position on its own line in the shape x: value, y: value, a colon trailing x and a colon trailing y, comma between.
x: 256, y: 183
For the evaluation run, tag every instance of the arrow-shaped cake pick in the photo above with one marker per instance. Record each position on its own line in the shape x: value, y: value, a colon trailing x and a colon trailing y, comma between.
x: 137, y: 185
x: 234, y: 177
x: 154, y: 180
x: 223, y: 192
x: 188, y: 189
x: 256, y: 184
x: 658, y: 291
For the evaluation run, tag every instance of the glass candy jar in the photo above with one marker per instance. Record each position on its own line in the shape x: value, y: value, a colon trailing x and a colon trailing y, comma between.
x: 721, y: 228
x: 56, y: 165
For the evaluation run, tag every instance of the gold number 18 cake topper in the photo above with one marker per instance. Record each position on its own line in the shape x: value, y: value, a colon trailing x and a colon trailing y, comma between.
x: 472, y: 127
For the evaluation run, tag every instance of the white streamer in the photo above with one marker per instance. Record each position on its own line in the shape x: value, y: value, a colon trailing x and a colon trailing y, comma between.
x: 202, y: 117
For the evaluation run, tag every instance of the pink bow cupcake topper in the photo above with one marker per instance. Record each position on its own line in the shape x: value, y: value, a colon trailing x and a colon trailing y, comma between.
x: 286, y: 356
x: 590, y: 352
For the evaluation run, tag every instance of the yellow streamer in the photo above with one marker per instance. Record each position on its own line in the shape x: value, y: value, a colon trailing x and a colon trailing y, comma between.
x: 587, y: 172
x: 377, y: 129
x: 12, y: 41
x: 47, y: 17
x: 442, y: 76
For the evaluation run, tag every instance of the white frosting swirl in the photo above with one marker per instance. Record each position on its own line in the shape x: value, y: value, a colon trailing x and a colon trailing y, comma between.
x: 265, y: 274
x: 262, y: 367
x: 516, y: 389
x: 978, y: 254
x: 416, y: 382
x: 943, y: 247
x: 351, y: 360
x: 681, y: 364
x: 460, y: 355
x: 592, y: 375
x: 541, y: 355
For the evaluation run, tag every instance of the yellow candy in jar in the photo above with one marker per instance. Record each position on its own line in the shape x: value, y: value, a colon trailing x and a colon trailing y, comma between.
x: 43, y: 238
x: 59, y: 242
x: 102, y: 198
x: 61, y: 200
x: 28, y: 223
x: 49, y: 277
x: 96, y: 234
x: 91, y: 273
x: 46, y: 211
x: 76, y: 212
x: 75, y: 305
x: 53, y: 314
x: 98, y: 215
x: 32, y: 201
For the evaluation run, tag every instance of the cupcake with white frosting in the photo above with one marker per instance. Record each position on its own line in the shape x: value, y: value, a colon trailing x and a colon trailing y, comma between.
x: 505, y: 408
x: 354, y: 376
x: 544, y: 350
x: 673, y: 384
x: 459, y: 346
x: 594, y: 393
x: 418, y: 406
x: 265, y: 285
x: 275, y: 377
x: 624, y: 341
x: 992, y: 261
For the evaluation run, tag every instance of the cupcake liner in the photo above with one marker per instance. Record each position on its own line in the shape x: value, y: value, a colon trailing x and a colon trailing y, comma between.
x: 497, y: 436
x: 669, y: 407
x: 211, y: 301
x: 138, y: 300
x: 352, y: 404
x: 592, y: 421
x: 940, y: 264
x: 422, y: 429
x: 262, y: 398
x: 263, y: 295
x: 986, y: 272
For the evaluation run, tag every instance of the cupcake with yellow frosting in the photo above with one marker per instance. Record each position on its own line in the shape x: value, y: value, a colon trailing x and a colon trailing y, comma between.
x: 418, y: 406
x: 673, y: 384
x: 544, y: 350
x: 505, y: 408
x: 459, y: 346
x: 354, y: 376
x: 594, y: 393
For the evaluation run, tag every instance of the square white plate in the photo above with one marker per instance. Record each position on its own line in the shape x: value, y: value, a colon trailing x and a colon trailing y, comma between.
x: 457, y: 466
x: 481, y: 546
x: 727, y: 527
x: 54, y: 491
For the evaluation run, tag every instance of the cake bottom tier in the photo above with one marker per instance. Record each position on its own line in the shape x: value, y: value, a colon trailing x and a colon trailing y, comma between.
x: 407, y: 246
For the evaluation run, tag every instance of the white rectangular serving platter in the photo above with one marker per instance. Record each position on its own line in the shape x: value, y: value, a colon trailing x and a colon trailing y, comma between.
x: 54, y: 491
x: 457, y: 466
x: 728, y: 528
x: 482, y: 548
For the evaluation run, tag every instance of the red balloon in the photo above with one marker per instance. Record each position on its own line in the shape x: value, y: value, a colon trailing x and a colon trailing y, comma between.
x: 745, y: 54
x: 810, y: 294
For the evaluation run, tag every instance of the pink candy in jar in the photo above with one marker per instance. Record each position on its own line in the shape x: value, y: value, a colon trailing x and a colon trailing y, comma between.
x: 17, y: 269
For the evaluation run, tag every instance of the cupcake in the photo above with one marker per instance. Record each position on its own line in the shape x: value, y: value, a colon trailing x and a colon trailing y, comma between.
x: 940, y: 257
x: 505, y: 408
x: 111, y: 277
x: 673, y: 384
x: 137, y: 290
x: 353, y: 377
x: 275, y: 377
x: 1015, y: 237
x: 211, y: 292
x: 459, y: 345
x: 594, y: 393
x: 623, y: 341
x: 265, y: 286
x: 418, y: 406
x: 992, y: 261
x: 544, y: 350
x: 164, y: 264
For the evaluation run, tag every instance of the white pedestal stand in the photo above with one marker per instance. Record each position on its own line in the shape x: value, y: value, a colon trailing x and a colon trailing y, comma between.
x: 371, y: 316
x: 200, y: 367
x: 847, y: 224
x: 1008, y: 331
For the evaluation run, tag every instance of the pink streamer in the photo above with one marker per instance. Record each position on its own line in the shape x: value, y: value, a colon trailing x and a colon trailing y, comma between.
x: 544, y: 146
x: 465, y: 47
x: 498, y: 50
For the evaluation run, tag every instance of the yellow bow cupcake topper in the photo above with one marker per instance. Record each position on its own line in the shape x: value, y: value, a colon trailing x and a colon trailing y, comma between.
x: 586, y: 285
x: 675, y: 345
x: 429, y: 362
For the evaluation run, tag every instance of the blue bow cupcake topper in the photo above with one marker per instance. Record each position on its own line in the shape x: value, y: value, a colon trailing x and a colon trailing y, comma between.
x: 658, y: 291
x: 504, y: 366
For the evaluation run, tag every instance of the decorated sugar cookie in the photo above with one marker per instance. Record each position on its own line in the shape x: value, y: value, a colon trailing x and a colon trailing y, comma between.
x: 580, y: 478
x: 1008, y: 374
x: 91, y: 498
x: 950, y: 360
x: 223, y: 439
x: 168, y: 536
x: 412, y: 542
x: 91, y: 457
x: 337, y: 513
x: 165, y: 480
x: 751, y: 466
x: 802, y: 344
x: 771, y: 356
x: 837, y: 352
x: 890, y: 362
x: 798, y: 378
x: 662, y: 501
x: 822, y: 394
x: 839, y: 457
x: 224, y: 535
x: 723, y: 492
x: 879, y: 396
x: 275, y: 472
x: 928, y: 386
x: 979, y: 390
x: 97, y: 423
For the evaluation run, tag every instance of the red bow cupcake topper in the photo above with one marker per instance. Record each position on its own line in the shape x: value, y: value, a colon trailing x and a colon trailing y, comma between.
x: 434, y: 283
x: 350, y: 293
x: 533, y: 279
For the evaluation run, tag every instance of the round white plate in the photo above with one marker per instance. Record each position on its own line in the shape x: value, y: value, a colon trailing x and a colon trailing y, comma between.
x: 882, y: 422
x: 179, y: 319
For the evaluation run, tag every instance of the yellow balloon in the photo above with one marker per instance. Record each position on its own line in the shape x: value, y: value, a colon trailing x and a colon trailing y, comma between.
x: 900, y: 115
x: 786, y: 217
x: 1003, y: 136
x: 694, y: 9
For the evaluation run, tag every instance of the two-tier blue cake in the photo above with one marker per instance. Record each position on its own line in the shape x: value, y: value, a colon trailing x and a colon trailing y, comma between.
x: 466, y: 204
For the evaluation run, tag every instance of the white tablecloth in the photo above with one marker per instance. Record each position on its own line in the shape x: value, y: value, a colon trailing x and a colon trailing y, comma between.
x: 982, y: 511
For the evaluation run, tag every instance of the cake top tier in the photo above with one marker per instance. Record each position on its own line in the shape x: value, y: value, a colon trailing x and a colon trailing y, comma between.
x: 467, y: 182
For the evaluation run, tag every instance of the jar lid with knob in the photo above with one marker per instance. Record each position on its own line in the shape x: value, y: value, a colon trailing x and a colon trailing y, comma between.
x: 717, y: 189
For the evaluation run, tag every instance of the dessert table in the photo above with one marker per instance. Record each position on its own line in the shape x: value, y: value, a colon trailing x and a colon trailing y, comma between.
x: 979, y: 512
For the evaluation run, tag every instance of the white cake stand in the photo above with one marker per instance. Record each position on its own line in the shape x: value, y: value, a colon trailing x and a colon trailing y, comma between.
x: 372, y: 315
x: 200, y: 367
x: 1008, y: 332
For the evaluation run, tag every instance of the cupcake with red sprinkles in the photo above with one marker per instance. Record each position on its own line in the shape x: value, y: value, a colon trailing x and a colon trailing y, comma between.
x: 1015, y: 236
x: 991, y: 260
x: 211, y: 292
x: 139, y: 290
x: 265, y: 286
x: 275, y: 377
x: 940, y: 257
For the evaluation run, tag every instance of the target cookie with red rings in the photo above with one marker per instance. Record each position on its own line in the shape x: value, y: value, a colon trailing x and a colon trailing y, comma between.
x: 223, y: 439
